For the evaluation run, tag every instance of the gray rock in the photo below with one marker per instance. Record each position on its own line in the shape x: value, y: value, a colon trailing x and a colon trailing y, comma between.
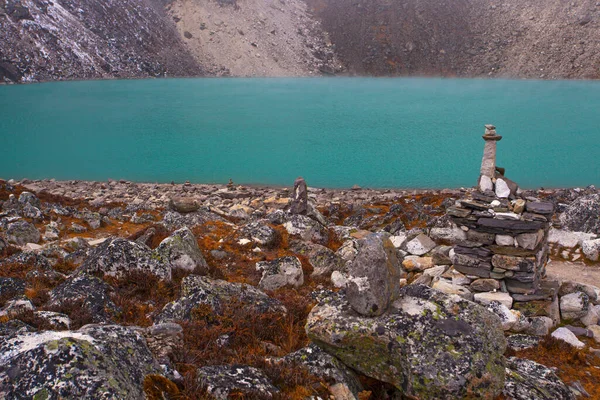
x: 447, y: 287
x: 574, y: 305
x: 95, y: 362
x: 420, y: 245
x: 487, y: 297
x: 285, y: 271
x: 569, y: 239
x: 11, y: 287
x: 539, y: 326
x: 568, y: 287
x: 520, y: 342
x: 325, y: 366
x: 373, y: 275
x: 299, y: 204
x: 183, y: 204
x: 507, y: 318
x: 567, y: 336
x: 57, y: 321
x: 220, y: 380
x: 582, y: 214
x: 307, y: 229
x: 198, y: 290
x: 530, y: 241
x: 260, y: 233
x: 118, y: 256
x: 484, y: 285
x: 323, y: 260
x: 29, y: 198
x: 22, y: 232
x: 429, y: 345
x: 591, y: 249
x: 89, y: 293
x: 176, y: 220
x: 181, y: 251
x: 32, y: 212
x: 526, y: 379
x: 450, y: 235
x: 441, y: 255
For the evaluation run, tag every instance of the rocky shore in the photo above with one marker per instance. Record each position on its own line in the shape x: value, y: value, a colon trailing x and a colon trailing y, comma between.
x: 134, y: 290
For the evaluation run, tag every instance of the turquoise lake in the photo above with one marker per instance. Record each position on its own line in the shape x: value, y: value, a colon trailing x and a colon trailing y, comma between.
x: 335, y: 132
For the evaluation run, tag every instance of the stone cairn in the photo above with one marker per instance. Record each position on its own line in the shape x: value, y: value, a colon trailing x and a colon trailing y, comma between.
x: 506, y: 235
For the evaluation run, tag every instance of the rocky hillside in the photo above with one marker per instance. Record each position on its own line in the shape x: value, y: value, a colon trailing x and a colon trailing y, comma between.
x: 527, y: 39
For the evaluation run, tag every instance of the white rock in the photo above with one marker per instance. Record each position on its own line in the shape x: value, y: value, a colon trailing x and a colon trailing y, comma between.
x: 338, y: 279
x: 508, y: 318
x: 591, y: 249
x: 574, y: 305
x: 398, y: 240
x: 97, y: 242
x: 486, y: 298
x: 485, y: 183
x: 508, y: 215
x: 436, y: 271
x: 567, y: 336
x: 502, y: 189
x: 568, y: 239
x: 495, y: 203
x: 452, y: 235
x: 592, y: 317
x: 505, y: 240
x: 33, y: 247
x: 595, y: 331
x: 420, y: 245
x: 243, y: 242
x: 447, y: 287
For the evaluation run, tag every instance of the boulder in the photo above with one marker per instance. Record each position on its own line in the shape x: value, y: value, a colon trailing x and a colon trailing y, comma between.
x: 591, y: 249
x: 567, y: 336
x: 420, y: 245
x: 118, y: 256
x: 429, y: 345
x: 284, y: 271
x: 582, y: 214
x: 28, y: 198
x: 568, y: 239
x: 90, y: 294
x: 22, y: 232
x: 323, y: 260
x: 526, y: 379
x: 307, y: 229
x: 574, y: 305
x: 373, y: 275
x: 183, y: 204
x: 215, y: 293
x: 220, y: 380
x: 260, y: 233
x: 323, y: 365
x: 95, y: 362
x: 181, y: 251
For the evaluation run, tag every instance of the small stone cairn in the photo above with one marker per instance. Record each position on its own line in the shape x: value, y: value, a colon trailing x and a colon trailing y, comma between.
x: 506, y: 235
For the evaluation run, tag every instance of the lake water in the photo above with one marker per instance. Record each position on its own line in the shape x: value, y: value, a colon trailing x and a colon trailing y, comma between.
x: 335, y: 132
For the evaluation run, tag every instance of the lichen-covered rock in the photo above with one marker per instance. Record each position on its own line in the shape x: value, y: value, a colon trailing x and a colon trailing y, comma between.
x: 95, y: 362
x: 260, y: 233
x: 201, y: 290
x: 57, y: 321
x: 28, y: 258
x: 373, y: 275
x: 16, y: 306
x: 323, y: 260
x: 420, y: 245
x: 528, y: 380
x: 591, y: 249
x: 175, y: 220
x: 520, y: 342
x: 14, y: 326
x: 429, y: 345
x: 88, y: 292
x: 507, y: 317
x: 220, y: 380
x: 281, y: 272
x: 22, y: 232
x: 583, y: 214
x: 574, y: 305
x: 307, y: 229
x: 11, y: 287
x: 181, y: 251
x: 118, y: 256
x: 324, y: 365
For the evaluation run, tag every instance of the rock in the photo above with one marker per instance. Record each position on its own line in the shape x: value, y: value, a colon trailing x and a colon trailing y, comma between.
x: 299, y: 203
x: 519, y: 206
x: 118, y: 256
x: 448, y: 235
x: 485, y: 184
x: 11, y: 287
x: 507, y: 317
x: 339, y: 280
x: 398, y: 239
x: 176, y: 220
x: 95, y: 362
x: 22, y: 232
x: 502, y: 189
x: 373, y: 275
x: 568, y: 239
x: 574, y: 305
x: 57, y: 321
x: 520, y: 342
x: 505, y: 240
x: 591, y: 249
x: 181, y: 251
x: 582, y: 214
x: 429, y: 345
x: 441, y: 255
x: 52, y: 231
x: 513, y: 263
x: 526, y: 379
x: 420, y: 245
x: 164, y: 340
x: 488, y: 297
x: 325, y: 366
x: 568, y: 287
x: 87, y: 293
x: 449, y: 288
x: 30, y: 199
x: 416, y: 263
x: 595, y: 329
x: 260, y: 233
x: 307, y: 229
x: 539, y: 326
x: 76, y: 228
x: 32, y: 212
x: 592, y: 317
x: 484, y: 285
x: 16, y: 306
x: 530, y: 241
x: 567, y: 336
x: 147, y: 236
x: 201, y: 290
x: 220, y: 380
x: 323, y: 260
x: 183, y: 204
x: 285, y: 271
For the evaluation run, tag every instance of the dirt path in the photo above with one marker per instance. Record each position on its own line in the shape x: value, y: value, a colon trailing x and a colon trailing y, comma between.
x: 574, y: 271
